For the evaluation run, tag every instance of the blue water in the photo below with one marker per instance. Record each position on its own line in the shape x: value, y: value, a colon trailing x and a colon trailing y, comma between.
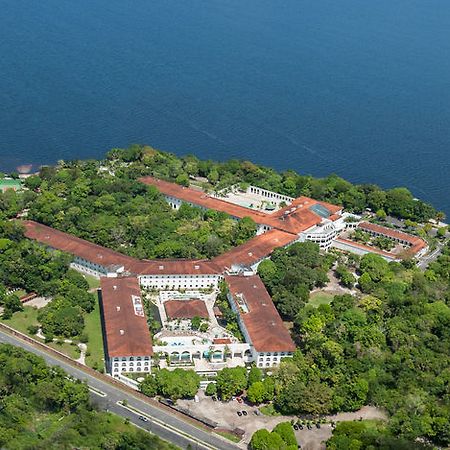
x: 353, y: 87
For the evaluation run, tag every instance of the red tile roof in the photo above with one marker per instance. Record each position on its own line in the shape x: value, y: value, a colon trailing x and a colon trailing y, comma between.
x: 126, y: 328
x: 295, y: 218
x: 416, y: 243
x: 106, y: 257
x: 367, y: 248
x: 254, y: 250
x: 76, y: 246
x: 222, y: 341
x: 262, y: 321
x: 186, y: 309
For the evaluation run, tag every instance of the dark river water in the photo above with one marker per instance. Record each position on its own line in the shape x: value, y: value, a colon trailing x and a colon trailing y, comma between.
x: 358, y: 88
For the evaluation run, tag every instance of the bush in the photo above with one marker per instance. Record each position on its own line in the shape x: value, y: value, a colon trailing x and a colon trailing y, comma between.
x: 285, y: 431
x: 84, y: 338
x: 211, y: 389
x: 32, y: 329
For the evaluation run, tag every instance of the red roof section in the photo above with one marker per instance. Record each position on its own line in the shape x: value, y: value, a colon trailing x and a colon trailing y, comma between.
x: 415, y: 242
x: 262, y: 321
x: 126, y: 328
x: 222, y: 341
x: 367, y: 248
x: 254, y: 250
x: 295, y: 218
x: 106, y: 257
x: 186, y: 309
x: 76, y: 246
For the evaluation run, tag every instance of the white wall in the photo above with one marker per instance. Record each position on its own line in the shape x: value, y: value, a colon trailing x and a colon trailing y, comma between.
x: 165, y: 282
x: 121, y: 364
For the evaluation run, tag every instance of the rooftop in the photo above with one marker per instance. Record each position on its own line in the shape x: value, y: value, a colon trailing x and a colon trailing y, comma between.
x: 126, y: 328
x: 253, y: 250
x: 301, y: 214
x: 186, y: 309
x: 416, y: 243
x: 261, y: 319
x: 109, y: 258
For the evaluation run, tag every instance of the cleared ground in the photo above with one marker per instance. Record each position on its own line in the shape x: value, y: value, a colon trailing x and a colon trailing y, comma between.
x: 320, y: 298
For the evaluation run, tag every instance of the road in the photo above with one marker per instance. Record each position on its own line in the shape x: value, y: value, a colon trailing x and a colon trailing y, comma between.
x: 107, y: 396
x: 426, y: 260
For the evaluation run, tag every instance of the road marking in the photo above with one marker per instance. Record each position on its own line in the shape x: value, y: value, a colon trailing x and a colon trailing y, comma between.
x: 137, y: 412
x: 97, y: 391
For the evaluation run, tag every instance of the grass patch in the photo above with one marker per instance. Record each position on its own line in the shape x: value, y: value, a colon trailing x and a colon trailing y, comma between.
x: 230, y: 436
x: 93, y: 329
x: 320, y: 298
x: 72, y: 351
x: 21, y: 320
x: 93, y: 282
x: 269, y: 410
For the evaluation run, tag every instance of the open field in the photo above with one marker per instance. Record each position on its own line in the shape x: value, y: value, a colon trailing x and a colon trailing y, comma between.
x: 68, y: 349
x: 93, y: 282
x: 93, y: 329
x: 21, y: 320
x: 320, y: 298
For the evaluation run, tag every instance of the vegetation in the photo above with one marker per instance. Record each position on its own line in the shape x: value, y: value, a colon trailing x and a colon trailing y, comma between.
x: 292, y: 273
x: 281, y: 438
x: 231, y: 381
x: 388, y: 345
x: 29, y: 266
x: 42, y: 408
x: 398, y: 202
x: 368, y: 434
x: 175, y: 384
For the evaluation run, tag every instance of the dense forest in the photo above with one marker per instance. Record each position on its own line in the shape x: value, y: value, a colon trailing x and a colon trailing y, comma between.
x: 41, y: 409
x: 387, y: 345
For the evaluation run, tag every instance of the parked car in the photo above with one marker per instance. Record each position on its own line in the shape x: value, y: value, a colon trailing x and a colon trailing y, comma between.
x: 239, y: 413
x: 257, y: 412
x: 239, y: 399
x: 309, y: 426
x: 317, y: 425
x: 144, y: 419
x: 295, y: 427
x: 244, y: 413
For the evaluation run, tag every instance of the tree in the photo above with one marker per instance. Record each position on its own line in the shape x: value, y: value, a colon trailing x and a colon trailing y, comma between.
x: 285, y: 431
x: 211, y: 389
x: 149, y: 386
x: 264, y: 440
x: 255, y: 374
x: 256, y: 393
x: 231, y: 381
x: 177, y: 384
x: 196, y: 322
x: 313, y: 398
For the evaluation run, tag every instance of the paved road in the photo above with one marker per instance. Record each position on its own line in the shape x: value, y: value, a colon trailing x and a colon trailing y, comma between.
x: 426, y: 260
x: 167, y: 426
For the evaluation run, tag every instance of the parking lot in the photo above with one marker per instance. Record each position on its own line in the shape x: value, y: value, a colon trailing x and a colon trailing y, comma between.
x: 225, y: 414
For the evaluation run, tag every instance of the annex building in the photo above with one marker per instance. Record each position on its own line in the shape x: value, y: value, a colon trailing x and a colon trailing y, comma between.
x: 183, y: 290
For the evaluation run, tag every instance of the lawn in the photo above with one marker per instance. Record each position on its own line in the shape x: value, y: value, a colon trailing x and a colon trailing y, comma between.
x: 320, y: 298
x: 269, y: 410
x: 72, y: 351
x: 230, y: 436
x: 93, y: 329
x: 21, y: 320
x: 92, y: 281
